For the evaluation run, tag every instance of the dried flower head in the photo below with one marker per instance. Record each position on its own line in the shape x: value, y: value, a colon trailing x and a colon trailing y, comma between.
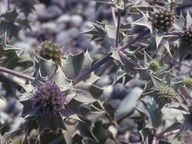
x: 50, y: 50
x: 48, y: 100
x: 187, y: 82
x: 153, y: 65
x: 163, y: 19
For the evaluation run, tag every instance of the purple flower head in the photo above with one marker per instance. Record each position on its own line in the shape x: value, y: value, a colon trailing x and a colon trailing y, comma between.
x: 48, y: 100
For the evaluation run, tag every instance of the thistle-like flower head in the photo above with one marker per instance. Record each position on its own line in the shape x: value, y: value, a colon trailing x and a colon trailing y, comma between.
x: 48, y: 100
x: 187, y: 82
x: 166, y: 95
x: 50, y: 50
x: 167, y: 91
x: 187, y: 36
x: 153, y: 65
x: 163, y: 19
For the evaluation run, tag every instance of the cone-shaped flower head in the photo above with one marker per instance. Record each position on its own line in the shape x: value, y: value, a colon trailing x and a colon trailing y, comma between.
x: 163, y: 19
x: 187, y: 36
x: 153, y: 65
x: 166, y: 95
x: 50, y: 50
x: 48, y: 100
x: 187, y: 82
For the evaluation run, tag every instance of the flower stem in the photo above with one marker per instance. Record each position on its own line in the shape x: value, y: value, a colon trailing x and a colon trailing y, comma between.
x: 134, y: 40
x: 92, y: 68
x: 15, y: 73
x: 118, y: 28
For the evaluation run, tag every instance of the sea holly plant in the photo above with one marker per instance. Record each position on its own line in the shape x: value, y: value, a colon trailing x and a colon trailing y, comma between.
x: 130, y: 90
x: 13, y: 20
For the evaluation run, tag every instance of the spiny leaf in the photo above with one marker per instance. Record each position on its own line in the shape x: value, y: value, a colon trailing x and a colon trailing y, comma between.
x: 144, y: 73
x: 188, y: 20
x: 9, y: 58
x: 68, y: 137
x: 59, y: 78
x: 158, y: 38
x: 25, y: 6
x: 104, y: 34
x: 147, y: 59
x: 115, y: 55
x: 75, y: 64
x: 6, y: 49
x: 144, y: 21
x: 184, y: 50
x: 167, y: 46
x: 27, y: 109
x: 11, y: 16
x: 155, y: 115
x: 158, y: 83
x: 25, y: 23
x: 180, y: 22
x: 46, y: 67
x: 71, y: 125
x: 88, y: 95
x: 9, y: 23
x: 93, y: 78
x: 162, y: 41
x: 120, y: 74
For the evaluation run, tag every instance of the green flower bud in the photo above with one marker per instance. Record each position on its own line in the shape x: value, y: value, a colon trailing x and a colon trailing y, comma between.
x: 167, y: 91
x: 166, y: 95
x: 17, y: 141
x: 187, y: 36
x: 153, y: 65
x: 187, y: 82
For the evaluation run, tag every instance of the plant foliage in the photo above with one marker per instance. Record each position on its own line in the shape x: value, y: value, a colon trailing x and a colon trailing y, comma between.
x: 135, y: 89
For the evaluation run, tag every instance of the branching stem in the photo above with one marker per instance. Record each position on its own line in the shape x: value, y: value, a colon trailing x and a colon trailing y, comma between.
x: 92, y: 68
x: 107, y: 58
x: 134, y: 39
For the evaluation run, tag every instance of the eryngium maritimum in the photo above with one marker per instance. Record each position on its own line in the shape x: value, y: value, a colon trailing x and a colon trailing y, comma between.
x: 163, y: 19
x: 48, y: 100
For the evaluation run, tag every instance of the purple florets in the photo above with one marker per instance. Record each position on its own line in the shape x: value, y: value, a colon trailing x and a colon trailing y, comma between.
x: 48, y: 100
